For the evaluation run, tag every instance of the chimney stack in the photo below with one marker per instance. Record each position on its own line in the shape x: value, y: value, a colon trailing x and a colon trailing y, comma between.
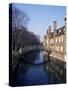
x: 55, y: 25
x: 47, y: 32
x: 49, y: 29
x: 65, y: 21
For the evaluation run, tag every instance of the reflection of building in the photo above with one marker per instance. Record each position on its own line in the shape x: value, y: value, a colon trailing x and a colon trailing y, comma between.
x: 55, y: 41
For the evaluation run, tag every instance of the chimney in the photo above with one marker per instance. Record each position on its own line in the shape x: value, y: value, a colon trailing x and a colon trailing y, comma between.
x: 65, y: 21
x: 55, y: 25
x: 49, y: 30
x: 65, y: 18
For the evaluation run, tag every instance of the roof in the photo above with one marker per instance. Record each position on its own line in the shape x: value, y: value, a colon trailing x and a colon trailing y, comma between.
x: 59, y: 31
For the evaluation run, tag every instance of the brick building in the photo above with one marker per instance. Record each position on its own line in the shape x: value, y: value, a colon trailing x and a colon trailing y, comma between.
x: 55, y: 40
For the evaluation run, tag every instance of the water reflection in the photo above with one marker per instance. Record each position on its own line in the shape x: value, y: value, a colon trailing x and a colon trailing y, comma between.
x: 31, y: 71
x: 55, y: 73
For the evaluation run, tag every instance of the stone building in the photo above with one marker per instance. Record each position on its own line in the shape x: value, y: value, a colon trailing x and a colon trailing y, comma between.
x: 55, y: 40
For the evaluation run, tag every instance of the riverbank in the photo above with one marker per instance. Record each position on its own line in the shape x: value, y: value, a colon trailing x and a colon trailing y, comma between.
x: 57, y: 56
x: 17, y: 57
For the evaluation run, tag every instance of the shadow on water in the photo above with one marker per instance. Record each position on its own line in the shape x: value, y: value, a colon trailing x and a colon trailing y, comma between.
x: 30, y: 72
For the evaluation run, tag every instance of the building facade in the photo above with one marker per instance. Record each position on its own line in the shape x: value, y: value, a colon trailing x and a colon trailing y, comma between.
x: 55, y: 40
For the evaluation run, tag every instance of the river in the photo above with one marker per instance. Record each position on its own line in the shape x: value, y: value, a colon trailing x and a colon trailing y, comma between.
x: 33, y: 71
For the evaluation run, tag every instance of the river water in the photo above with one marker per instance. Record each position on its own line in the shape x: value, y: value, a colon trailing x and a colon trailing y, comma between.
x: 33, y: 71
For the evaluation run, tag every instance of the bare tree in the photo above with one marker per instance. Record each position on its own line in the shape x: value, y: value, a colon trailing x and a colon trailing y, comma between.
x: 20, y: 35
x: 19, y: 18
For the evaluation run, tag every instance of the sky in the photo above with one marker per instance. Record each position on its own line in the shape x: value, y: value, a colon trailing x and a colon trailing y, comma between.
x: 42, y: 16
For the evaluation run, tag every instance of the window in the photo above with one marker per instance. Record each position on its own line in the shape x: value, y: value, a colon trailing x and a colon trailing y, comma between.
x: 56, y: 40
x: 43, y: 43
x: 47, y: 41
x: 61, y: 48
x: 64, y: 29
x: 62, y: 38
x: 59, y: 39
x: 51, y: 41
x: 59, y: 31
x: 58, y: 48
